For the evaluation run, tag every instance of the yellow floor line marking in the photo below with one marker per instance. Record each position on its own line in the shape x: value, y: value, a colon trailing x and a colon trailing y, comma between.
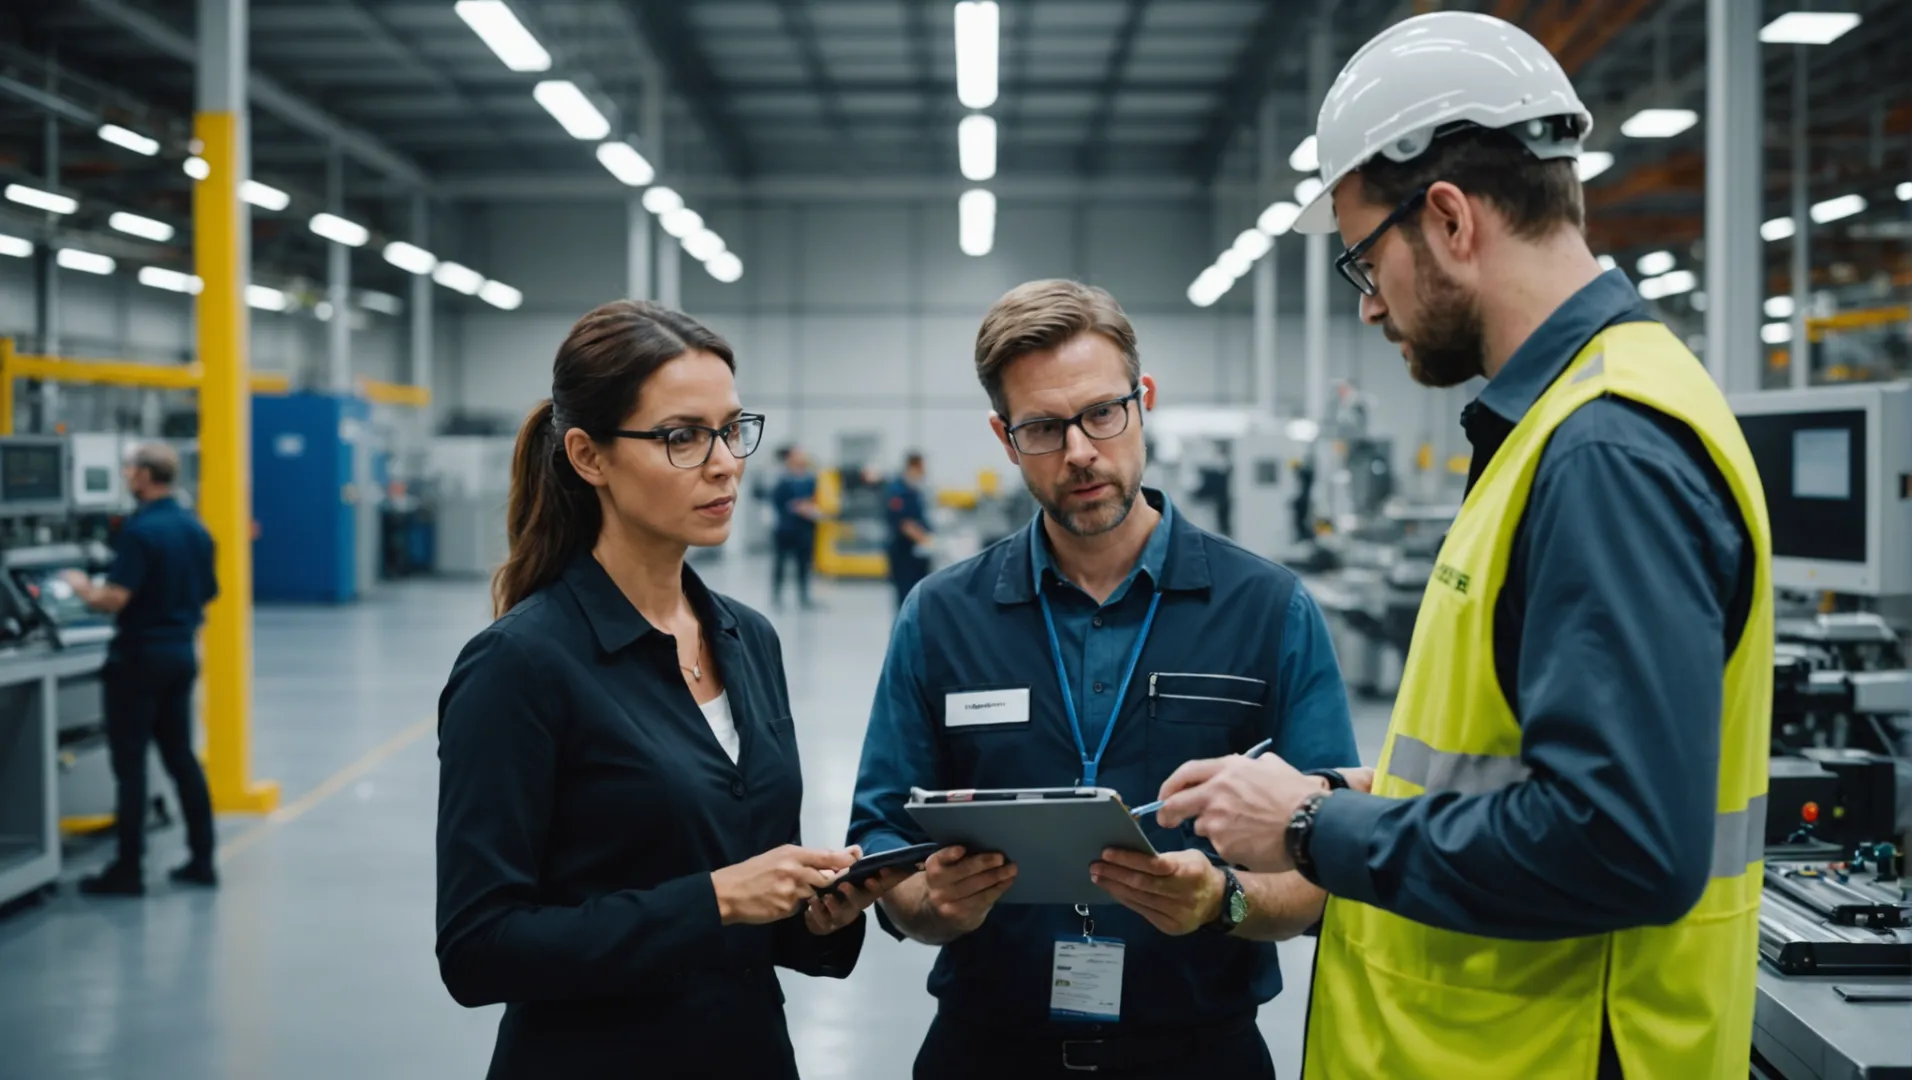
x: 327, y: 788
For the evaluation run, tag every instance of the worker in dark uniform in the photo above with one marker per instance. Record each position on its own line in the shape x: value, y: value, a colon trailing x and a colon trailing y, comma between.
x: 794, y: 497
x: 159, y: 585
x: 909, y: 532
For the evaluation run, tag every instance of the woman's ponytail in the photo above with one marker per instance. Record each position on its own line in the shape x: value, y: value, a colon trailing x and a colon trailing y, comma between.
x: 552, y: 514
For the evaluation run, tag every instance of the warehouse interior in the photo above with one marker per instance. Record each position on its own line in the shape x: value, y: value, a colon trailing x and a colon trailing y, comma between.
x: 327, y: 249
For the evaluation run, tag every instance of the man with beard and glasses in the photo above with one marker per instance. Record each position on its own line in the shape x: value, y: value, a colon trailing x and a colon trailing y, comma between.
x: 1556, y: 872
x: 1104, y: 645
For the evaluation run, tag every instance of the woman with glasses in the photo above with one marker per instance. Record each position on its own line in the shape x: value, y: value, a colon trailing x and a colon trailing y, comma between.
x: 618, y: 851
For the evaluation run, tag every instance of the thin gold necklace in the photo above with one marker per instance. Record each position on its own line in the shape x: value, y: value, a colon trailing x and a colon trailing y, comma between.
x: 697, y: 669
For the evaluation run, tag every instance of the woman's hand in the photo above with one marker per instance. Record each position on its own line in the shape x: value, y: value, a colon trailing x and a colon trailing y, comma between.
x: 774, y: 885
x: 840, y: 906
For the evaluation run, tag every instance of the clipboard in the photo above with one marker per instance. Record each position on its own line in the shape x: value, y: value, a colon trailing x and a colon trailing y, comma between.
x: 1051, y: 834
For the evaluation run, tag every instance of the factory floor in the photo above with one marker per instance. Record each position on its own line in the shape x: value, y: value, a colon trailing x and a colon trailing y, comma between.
x: 314, y: 958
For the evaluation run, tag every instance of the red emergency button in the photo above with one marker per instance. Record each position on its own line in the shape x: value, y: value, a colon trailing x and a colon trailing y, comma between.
x: 1809, y: 813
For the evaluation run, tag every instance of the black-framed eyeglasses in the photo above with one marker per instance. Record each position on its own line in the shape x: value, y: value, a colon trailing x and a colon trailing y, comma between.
x: 1046, y: 435
x: 1351, y: 263
x: 689, y: 445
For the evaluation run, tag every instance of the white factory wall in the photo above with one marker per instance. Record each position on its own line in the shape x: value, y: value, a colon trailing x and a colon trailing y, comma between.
x: 861, y: 318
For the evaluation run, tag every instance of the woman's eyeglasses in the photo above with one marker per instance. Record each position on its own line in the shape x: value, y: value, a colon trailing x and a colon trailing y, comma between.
x: 689, y: 445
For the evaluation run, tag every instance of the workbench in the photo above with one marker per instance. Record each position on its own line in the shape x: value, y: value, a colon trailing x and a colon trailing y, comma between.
x: 1808, y: 1032
x: 30, y: 677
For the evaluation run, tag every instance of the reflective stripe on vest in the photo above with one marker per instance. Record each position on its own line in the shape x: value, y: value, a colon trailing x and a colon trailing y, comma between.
x: 1739, y: 836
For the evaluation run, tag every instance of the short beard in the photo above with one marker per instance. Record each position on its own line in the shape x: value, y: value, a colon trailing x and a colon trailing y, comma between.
x: 1099, y: 517
x: 1448, y: 346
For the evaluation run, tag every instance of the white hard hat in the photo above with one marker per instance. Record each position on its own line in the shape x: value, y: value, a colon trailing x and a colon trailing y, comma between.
x: 1432, y: 74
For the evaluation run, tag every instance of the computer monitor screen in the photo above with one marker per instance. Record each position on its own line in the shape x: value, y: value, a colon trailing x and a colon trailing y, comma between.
x: 99, y: 479
x: 63, y: 607
x: 1813, y: 467
x: 31, y: 472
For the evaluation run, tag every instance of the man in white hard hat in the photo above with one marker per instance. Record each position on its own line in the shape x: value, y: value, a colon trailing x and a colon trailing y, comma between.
x: 1556, y: 871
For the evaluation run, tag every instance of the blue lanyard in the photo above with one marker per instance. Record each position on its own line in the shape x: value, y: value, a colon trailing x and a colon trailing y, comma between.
x: 1090, y: 765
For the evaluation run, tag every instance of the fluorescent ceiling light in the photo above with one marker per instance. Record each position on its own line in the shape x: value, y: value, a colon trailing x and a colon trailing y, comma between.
x: 41, y: 200
x: 1777, y: 229
x: 569, y: 106
x: 681, y: 222
x: 500, y: 295
x: 1302, y: 429
x: 703, y: 245
x: 1305, y: 157
x: 1673, y: 284
x: 1776, y: 333
x: 1278, y: 218
x: 143, y: 227
x: 976, y: 146
x: 383, y: 303
x: 266, y: 298
x: 1655, y: 263
x: 1842, y: 207
x: 1808, y: 28
x: 1211, y: 285
x: 197, y: 168
x: 1592, y: 163
x: 661, y: 200
x: 340, y: 231
x: 171, y: 280
x: 459, y: 278
x: 264, y: 196
x: 410, y: 257
x: 1778, y: 307
x: 976, y: 220
x: 86, y: 262
x: 1307, y: 190
x: 1253, y: 243
x: 129, y: 139
x: 498, y: 27
x: 726, y: 267
x: 1606, y: 262
x: 15, y: 247
x: 322, y: 311
x: 1905, y: 191
x: 1233, y: 263
x: 1658, y: 123
x: 625, y: 163
x: 977, y: 48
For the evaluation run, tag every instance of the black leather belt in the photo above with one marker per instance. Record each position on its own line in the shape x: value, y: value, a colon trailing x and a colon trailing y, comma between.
x: 1116, y: 1051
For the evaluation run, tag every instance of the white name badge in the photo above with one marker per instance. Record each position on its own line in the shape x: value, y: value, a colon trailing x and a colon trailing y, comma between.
x: 1085, y: 982
x: 986, y: 708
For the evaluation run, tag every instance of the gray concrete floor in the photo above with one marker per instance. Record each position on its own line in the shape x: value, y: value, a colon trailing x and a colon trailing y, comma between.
x: 314, y: 959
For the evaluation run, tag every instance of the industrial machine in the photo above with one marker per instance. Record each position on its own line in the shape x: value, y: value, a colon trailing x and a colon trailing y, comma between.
x: 310, y: 546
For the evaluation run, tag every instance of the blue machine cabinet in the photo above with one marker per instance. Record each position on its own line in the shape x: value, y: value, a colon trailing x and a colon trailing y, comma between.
x: 305, y: 450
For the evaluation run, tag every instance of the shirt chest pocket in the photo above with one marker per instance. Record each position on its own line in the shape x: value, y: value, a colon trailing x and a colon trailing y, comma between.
x: 1194, y: 715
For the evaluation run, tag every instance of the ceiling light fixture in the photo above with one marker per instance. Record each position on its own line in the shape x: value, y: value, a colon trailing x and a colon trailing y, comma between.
x: 498, y: 27
x: 976, y: 221
x: 501, y: 296
x: 1607, y: 262
x: 1904, y: 191
x: 1658, y: 123
x: 266, y: 298
x: 41, y: 200
x: 383, y: 303
x: 1307, y: 190
x: 726, y: 267
x: 458, y: 278
x: 197, y: 168
x: 129, y: 140
x: 143, y: 227
x: 1252, y: 243
x: 661, y: 200
x: 1305, y: 157
x: 340, y: 231
x: 1842, y: 207
x: 1808, y: 28
x: 264, y: 196
x: 1655, y: 263
x: 681, y: 222
x: 1592, y: 164
x: 1278, y: 218
x: 1776, y: 333
x: 1776, y: 229
x: 15, y: 247
x: 976, y: 146
x: 703, y: 245
x: 1233, y: 263
x: 571, y: 108
x: 171, y: 280
x: 1673, y: 284
x: 977, y: 52
x: 625, y: 163
x: 1778, y: 307
x: 1209, y: 286
x: 86, y: 262
x: 410, y: 257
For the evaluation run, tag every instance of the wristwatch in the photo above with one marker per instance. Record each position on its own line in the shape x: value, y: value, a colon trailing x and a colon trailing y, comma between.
x: 1336, y: 781
x: 1234, y: 904
x: 1301, y: 833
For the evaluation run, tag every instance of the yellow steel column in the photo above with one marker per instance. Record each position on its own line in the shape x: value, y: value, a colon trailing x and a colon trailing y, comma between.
x: 225, y: 451
x: 6, y: 386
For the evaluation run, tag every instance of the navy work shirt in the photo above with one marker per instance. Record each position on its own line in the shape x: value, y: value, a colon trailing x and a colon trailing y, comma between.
x: 903, y: 502
x: 793, y: 527
x: 162, y: 555
x: 1238, y: 653
x: 1629, y: 584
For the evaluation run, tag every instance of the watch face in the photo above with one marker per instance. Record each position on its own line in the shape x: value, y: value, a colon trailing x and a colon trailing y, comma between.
x: 1237, y: 906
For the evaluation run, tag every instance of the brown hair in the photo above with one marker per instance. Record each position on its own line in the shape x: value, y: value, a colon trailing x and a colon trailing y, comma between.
x: 1535, y: 196
x: 1040, y: 315
x: 602, y: 365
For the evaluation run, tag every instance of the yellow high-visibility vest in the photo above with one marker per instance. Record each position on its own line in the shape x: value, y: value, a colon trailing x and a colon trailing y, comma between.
x: 1395, y: 999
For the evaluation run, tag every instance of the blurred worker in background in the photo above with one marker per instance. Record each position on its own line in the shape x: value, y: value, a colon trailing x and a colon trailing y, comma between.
x: 794, y: 497
x: 1557, y: 873
x: 1103, y: 644
x: 619, y: 857
x: 158, y: 587
x: 909, y: 532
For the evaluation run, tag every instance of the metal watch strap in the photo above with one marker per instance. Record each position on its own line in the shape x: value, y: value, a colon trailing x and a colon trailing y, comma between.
x: 1301, y: 833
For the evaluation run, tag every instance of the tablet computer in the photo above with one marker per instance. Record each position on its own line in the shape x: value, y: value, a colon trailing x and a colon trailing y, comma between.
x: 1051, y: 834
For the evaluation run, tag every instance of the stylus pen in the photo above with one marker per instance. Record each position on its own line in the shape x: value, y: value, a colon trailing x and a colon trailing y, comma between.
x: 1254, y: 751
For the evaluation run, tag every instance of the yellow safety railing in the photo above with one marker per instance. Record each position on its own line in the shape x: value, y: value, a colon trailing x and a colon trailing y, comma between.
x: 1857, y: 319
